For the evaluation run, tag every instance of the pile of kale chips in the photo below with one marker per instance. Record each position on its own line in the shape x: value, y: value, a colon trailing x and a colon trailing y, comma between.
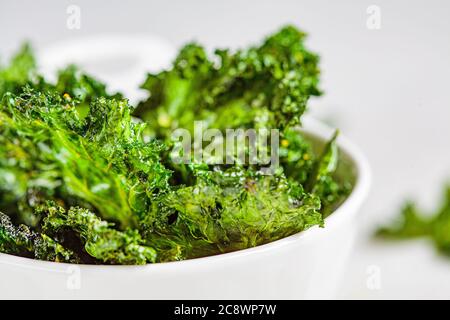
x: 87, y: 178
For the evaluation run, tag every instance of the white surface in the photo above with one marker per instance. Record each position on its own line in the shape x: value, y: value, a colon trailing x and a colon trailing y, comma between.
x: 306, y: 265
x: 387, y: 89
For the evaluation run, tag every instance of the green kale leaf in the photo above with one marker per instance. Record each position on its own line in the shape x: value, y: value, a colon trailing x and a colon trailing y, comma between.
x: 268, y: 85
x: 99, y: 238
x: 413, y: 224
x: 20, y: 71
x: 22, y: 241
x: 47, y: 152
x: 232, y: 210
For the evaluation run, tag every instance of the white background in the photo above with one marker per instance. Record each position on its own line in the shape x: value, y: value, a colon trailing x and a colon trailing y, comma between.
x: 387, y: 89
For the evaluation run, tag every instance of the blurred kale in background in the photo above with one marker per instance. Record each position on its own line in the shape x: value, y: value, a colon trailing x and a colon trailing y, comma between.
x: 414, y: 224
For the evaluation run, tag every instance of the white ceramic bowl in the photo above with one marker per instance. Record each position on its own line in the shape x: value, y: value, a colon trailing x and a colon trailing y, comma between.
x: 303, y: 266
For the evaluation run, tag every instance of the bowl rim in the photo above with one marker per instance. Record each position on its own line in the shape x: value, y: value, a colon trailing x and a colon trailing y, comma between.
x: 351, y: 204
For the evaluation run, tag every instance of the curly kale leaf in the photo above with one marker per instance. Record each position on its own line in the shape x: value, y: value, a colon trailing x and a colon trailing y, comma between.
x: 100, y: 240
x: 71, y: 81
x: 47, y: 152
x: 268, y: 85
x: 297, y: 156
x: 75, y: 84
x: 316, y: 170
x: 83, y: 87
x: 322, y: 180
x: 413, y: 223
x: 20, y: 240
x: 19, y: 72
x: 231, y: 210
x: 110, y: 127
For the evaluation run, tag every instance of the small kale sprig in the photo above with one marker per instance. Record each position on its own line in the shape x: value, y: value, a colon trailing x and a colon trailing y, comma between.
x: 413, y: 224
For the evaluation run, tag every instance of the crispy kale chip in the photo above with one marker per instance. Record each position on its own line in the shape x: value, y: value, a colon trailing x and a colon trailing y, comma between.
x: 20, y: 240
x: 47, y: 152
x: 231, y: 210
x: 99, y: 239
x: 20, y: 71
x: 268, y: 85
x: 413, y: 224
